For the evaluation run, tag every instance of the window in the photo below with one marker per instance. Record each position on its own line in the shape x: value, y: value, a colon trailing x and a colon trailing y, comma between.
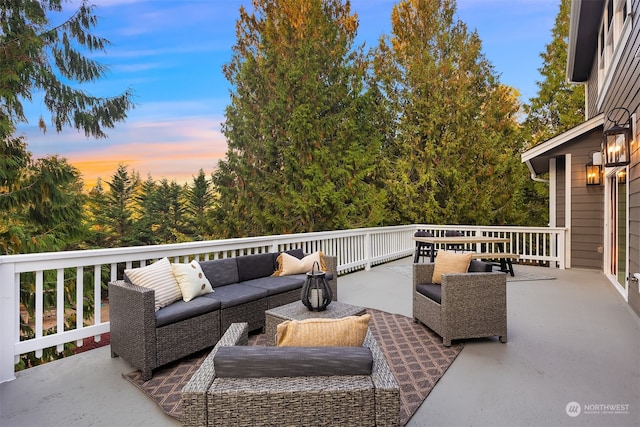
x: 614, y: 32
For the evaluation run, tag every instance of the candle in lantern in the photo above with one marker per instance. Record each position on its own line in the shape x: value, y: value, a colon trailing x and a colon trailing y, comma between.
x: 315, y: 297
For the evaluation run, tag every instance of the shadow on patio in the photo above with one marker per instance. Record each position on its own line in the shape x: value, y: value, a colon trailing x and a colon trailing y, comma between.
x: 571, y: 339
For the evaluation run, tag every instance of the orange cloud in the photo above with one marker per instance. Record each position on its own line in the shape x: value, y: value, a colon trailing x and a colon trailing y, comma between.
x: 175, y: 150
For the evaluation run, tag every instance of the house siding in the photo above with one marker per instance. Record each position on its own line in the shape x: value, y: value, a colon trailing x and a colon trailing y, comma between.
x: 634, y: 216
x: 624, y: 91
x: 587, y: 212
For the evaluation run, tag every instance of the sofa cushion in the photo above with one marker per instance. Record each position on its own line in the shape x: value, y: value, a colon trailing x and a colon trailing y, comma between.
x: 159, y: 277
x: 432, y: 291
x: 288, y: 264
x: 479, y: 267
x: 181, y: 310
x: 221, y: 272
x: 277, y: 285
x: 450, y: 262
x: 255, y: 266
x: 317, y: 332
x: 191, y: 280
x: 258, y: 361
x: 236, y: 294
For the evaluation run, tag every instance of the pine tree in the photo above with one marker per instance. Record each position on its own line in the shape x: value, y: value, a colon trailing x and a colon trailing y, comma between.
x: 199, y: 201
x: 303, y: 148
x: 452, y: 134
x: 120, y: 208
x: 559, y: 105
x: 37, y: 57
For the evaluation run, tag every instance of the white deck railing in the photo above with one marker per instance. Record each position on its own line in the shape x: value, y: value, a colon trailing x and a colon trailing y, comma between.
x: 89, y: 270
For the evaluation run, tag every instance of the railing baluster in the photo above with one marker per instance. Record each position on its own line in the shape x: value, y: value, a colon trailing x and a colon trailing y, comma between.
x: 39, y: 308
x: 60, y: 305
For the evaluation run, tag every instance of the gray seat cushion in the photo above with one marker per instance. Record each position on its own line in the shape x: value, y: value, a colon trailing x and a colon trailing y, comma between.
x: 278, y: 284
x: 251, y: 362
x: 181, y: 310
x: 432, y: 291
x: 236, y: 294
x: 255, y: 266
x: 221, y: 272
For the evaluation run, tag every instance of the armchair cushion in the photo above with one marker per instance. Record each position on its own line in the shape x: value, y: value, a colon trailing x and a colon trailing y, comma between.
x: 432, y: 291
x: 253, y: 362
x: 159, y: 277
x: 345, y: 332
x: 450, y: 262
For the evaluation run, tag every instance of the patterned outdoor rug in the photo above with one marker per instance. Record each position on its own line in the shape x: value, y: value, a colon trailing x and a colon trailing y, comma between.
x: 415, y: 355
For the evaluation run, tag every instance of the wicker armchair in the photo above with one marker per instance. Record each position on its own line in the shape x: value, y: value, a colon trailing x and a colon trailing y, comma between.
x: 355, y: 400
x: 473, y: 305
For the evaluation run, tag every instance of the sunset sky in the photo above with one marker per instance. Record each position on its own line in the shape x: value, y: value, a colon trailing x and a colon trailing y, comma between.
x: 171, y: 52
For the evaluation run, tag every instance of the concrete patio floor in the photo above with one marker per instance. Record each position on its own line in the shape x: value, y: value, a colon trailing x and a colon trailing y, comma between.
x: 572, y: 339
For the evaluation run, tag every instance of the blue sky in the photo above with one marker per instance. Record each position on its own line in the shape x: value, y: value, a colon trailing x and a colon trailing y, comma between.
x: 171, y: 52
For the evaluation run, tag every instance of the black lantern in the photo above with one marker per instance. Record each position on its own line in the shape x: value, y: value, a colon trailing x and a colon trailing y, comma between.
x: 594, y: 169
x: 616, y: 142
x: 316, y: 294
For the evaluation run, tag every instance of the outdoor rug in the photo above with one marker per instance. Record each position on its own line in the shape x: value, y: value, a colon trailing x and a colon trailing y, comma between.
x: 415, y: 355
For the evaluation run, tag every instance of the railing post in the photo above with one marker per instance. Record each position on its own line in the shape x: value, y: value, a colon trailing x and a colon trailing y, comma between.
x: 367, y: 251
x: 8, y: 320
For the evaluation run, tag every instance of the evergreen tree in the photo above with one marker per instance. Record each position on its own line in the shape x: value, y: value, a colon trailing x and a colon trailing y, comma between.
x: 199, y: 201
x: 452, y: 134
x: 95, y: 218
x: 36, y: 57
x: 120, y: 207
x: 559, y: 105
x: 303, y: 148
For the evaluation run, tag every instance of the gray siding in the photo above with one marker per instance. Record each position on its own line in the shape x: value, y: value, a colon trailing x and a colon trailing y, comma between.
x: 587, y: 202
x: 625, y: 92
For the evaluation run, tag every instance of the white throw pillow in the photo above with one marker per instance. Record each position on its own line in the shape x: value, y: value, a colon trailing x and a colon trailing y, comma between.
x: 159, y: 277
x: 191, y: 280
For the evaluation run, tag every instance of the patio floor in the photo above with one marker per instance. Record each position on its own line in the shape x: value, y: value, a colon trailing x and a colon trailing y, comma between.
x: 572, y: 339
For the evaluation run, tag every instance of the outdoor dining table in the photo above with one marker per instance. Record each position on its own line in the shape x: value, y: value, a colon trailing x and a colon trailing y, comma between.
x: 478, y: 241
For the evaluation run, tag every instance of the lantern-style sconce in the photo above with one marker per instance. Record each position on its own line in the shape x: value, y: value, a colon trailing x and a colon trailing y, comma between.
x: 594, y: 169
x: 316, y: 293
x: 622, y: 177
x: 616, y: 141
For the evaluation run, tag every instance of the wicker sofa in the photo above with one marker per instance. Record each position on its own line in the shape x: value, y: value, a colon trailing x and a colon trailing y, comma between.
x: 464, y: 305
x: 345, y: 400
x: 243, y: 289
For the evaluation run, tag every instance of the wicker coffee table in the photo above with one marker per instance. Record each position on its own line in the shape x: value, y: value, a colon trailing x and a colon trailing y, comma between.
x: 298, y: 311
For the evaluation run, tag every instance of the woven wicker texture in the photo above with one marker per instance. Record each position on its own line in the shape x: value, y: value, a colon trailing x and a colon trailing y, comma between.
x: 415, y: 356
x: 474, y: 305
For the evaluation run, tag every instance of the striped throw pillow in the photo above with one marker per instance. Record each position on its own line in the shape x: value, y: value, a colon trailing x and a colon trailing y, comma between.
x: 159, y: 277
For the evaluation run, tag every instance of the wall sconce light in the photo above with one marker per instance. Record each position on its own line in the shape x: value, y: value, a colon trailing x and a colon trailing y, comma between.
x: 616, y: 141
x: 594, y: 169
x: 622, y: 177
